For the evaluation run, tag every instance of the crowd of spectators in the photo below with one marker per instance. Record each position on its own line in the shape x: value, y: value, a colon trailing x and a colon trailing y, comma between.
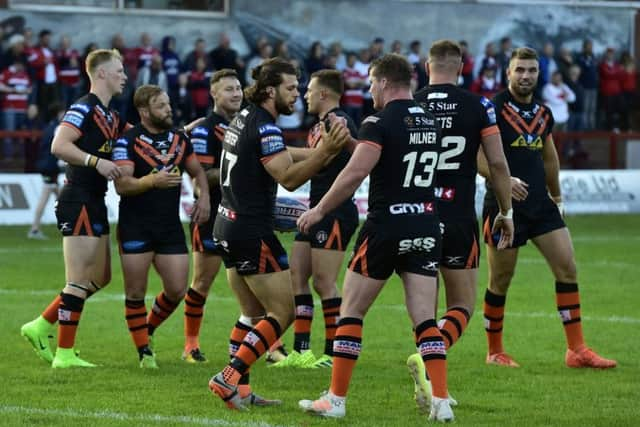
x: 584, y: 91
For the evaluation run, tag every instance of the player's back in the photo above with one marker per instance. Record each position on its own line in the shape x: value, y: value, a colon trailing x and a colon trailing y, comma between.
x: 464, y: 118
x: 248, y: 190
x: 402, y: 181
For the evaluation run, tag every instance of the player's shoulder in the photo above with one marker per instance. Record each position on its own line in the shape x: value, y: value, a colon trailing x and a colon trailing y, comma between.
x: 133, y: 132
x: 84, y: 104
x: 501, y: 98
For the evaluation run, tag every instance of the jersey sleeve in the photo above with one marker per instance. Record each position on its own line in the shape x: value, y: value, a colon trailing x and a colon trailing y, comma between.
x: 122, y: 153
x: 371, y: 132
x: 199, y: 137
x: 489, y: 124
x: 189, y: 152
x: 77, y: 117
x: 271, y: 141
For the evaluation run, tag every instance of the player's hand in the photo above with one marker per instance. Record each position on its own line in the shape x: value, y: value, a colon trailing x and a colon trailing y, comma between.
x: 201, y: 210
x: 505, y: 226
x: 108, y: 169
x: 519, y: 190
x: 338, y: 136
x: 164, y: 179
x: 194, y: 124
x: 309, y: 219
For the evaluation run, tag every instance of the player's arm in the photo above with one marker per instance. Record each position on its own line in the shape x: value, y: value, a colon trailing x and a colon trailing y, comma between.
x: 519, y: 190
x: 202, y: 206
x: 65, y: 148
x: 292, y: 175
x: 362, y: 161
x: 128, y: 185
x: 552, y: 169
x: 299, y: 154
x: 496, y: 164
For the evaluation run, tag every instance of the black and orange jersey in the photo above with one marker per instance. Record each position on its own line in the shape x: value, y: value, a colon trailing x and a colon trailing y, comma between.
x: 525, y: 129
x: 99, y: 128
x: 464, y: 118
x: 151, y: 153
x: 206, y: 139
x: 322, y: 181
x: 402, y: 182
x: 248, y: 190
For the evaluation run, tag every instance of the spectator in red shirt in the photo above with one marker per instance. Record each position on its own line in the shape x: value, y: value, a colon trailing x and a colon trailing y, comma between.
x: 629, y: 83
x: 468, y: 65
x: 144, y: 52
x: 354, y: 82
x: 68, y: 60
x: 487, y: 83
x: 198, y: 87
x: 15, y: 86
x: 43, y: 64
x: 611, y: 88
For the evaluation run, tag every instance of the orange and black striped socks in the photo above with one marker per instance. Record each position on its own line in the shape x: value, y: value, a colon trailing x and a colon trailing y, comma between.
x: 568, y: 302
x: 453, y: 324
x: 493, y: 320
x: 161, y: 310
x: 239, y: 331
x: 431, y: 347
x: 331, y: 310
x: 302, y: 322
x: 50, y: 313
x: 193, y: 312
x: 69, y: 313
x: 136, y: 315
x: 347, y: 345
x: 255, y: 343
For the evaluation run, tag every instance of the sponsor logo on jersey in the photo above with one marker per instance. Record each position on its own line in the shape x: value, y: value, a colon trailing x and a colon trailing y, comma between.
x: 444, y: 193
x: 271, y: 144
x: 371, y: 119
x: 107, y: 147
x: 416, y: 110
x: 322, y: 236
x: 454, y: 260
x: 442, y: 106
x: 411, y: 208
x: 74, y: 118
x: 227, y: 213
x: 199, y: 145
x: 119, y: 153
x: 417, y: 244
x: 269, y: 129
x: 200, y: 131
x: 532, y: 142
x: 81, y: 107
x: 438, y: 95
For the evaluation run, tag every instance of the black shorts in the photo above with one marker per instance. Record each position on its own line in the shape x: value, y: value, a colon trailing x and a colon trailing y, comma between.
x: 50, y: 177
x: 460, y: 248
x: 82, y: 218
x: 202, y: 238
x: 254, y: 256
x: 528, y: 224
x: 379, y: 250
x: 333, y: 232
x: 139, y: 236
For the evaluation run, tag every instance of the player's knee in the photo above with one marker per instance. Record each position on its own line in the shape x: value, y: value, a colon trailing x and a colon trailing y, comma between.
x: 567, y: 272
x: 202, y: 285
x: 325, y: 287
x: 176, y: 294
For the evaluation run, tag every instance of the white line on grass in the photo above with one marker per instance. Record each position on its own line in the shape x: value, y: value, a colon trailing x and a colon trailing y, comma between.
x: 134, y: 419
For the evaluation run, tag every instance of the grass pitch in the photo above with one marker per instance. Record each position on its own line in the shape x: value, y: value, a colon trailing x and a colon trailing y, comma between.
x: 542, y: 392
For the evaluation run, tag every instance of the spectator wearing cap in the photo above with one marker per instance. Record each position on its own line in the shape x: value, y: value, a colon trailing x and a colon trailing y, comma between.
x: 42, y: 62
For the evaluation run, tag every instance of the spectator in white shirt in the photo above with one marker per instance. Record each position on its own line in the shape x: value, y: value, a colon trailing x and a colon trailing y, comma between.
x: 557, y: 95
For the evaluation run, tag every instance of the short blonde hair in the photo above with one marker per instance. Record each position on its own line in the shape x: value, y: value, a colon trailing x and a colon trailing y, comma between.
x: 99, y: 57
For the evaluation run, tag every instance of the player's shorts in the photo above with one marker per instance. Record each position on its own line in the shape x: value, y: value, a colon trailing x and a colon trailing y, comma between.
x: 139, y: 236
x: 379, y: 251
x: 82, y: 218
x: 202, y: 238
x: 332, y: 232
x: 254, y: 256
x: 460, y: 247
x: 50, y: 178
x: 528, y: 224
